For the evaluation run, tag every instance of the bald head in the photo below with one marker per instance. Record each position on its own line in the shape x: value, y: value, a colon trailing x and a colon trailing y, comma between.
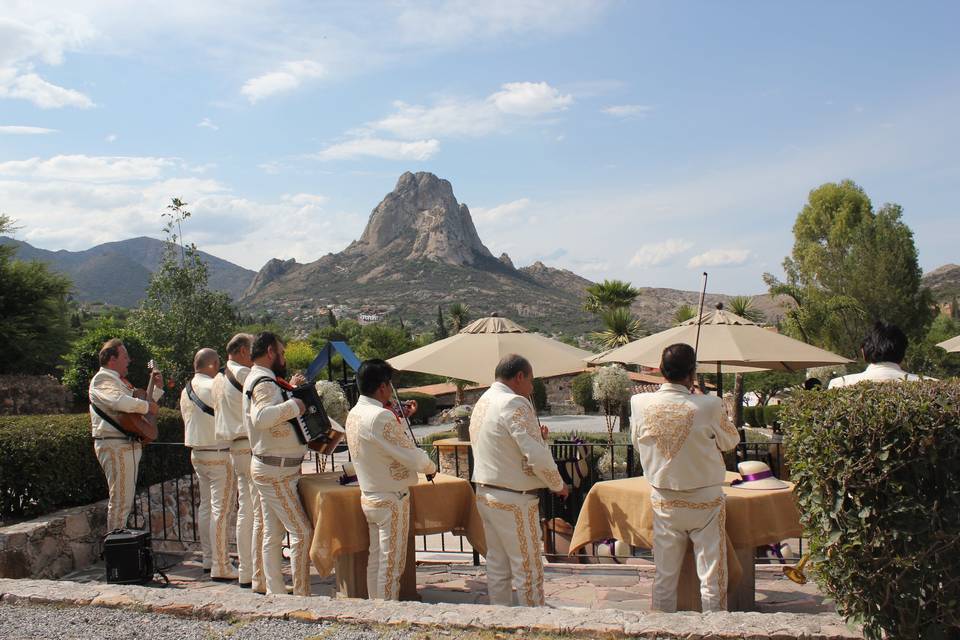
x: 206, y: 361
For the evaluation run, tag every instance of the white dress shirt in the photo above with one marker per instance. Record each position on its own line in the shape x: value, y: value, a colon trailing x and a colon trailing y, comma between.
x: 109, y: 392
x: 228, y: 403
x: 199, y: 429
x: 876, y: 372
x: 680, y: 437
x: 508, y: 449
x: 266, y: 414
x: 384, y: 455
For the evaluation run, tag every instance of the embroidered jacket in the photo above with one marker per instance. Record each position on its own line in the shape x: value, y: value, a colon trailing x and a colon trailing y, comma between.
x: 112, y: 394
x: 228, y: 403
x: 265, y: 416
x: 385, y: 457
x: 199, y: 430
x: 508, y: 450
x: 877, y: 372
x: 680, y: 436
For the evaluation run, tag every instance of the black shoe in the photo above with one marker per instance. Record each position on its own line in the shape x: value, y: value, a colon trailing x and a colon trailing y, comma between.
x: 223, y: 579
x: 246, y: 585
x: 206, y: 570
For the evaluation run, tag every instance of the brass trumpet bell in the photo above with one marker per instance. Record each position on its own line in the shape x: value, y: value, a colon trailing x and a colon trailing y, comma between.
x: 796, y: 573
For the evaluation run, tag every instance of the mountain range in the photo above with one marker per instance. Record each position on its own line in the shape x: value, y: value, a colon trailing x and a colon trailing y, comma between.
x: 419, y: 250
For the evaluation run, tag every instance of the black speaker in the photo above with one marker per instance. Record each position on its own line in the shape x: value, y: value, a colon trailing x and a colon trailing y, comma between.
x: 128, y: 556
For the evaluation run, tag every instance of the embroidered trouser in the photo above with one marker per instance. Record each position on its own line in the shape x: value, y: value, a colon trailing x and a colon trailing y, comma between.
x: 283, y: 513
x: 511, y: 525
x: 119, y: 459
x: 217, y: 497
x: 247, y: 497
x: 388, y: 520
x: 699, y: 515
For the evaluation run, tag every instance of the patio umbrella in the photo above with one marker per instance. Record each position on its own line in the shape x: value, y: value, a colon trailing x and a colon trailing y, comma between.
x: 473, y: 353
x: 952, y: 345
x: 731, y: 341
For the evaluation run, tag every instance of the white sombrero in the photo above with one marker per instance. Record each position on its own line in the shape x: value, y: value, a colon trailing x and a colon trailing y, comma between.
x: 757, y: 475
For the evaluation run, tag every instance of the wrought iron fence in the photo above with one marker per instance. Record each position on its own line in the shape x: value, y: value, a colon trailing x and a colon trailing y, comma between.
x: 167, y: 481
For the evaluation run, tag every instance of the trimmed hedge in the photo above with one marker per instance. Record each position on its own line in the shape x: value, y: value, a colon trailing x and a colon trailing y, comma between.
x: 771, y: 416
x: 49, y: 463
x: 539, y: 395
x: 877, y: 468
x: 426, y: 406
x: 581, y: 388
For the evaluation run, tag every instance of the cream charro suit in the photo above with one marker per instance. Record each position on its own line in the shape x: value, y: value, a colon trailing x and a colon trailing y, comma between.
x: 228, y: 404
x: 118, y: 454
x: 511, y: 463
x: 876, y: 372
x: 387, y: 461
x: 210, y: 456
x: 680, y: 437
x: 277, y: 455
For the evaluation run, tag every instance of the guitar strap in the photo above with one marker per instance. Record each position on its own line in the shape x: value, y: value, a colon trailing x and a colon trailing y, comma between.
x: 203, y: 406
x: 110, y: 421
x: 233, y: 379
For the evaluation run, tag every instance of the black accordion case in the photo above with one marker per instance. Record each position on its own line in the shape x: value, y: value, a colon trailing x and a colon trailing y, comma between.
x: 128, y: 556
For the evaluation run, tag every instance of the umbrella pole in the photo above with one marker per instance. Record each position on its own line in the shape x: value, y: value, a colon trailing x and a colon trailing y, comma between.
x: 719, y: 381
x: 703, y: 293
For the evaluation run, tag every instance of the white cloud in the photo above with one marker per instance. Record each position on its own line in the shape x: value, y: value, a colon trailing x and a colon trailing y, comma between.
x: 289, y: 77
x: 719, y: 258
x: 30, y: 86
x: 82, y: 167
x: 453, y: 22
x: 207, y: 123
x: 530, y: 98
x: 628, y: 110
x: 656, y: 253
x: 111, y: 137
x: 15, y: 130
x: 501, y: 212
x: 379, y: 148
x: 472, y: 117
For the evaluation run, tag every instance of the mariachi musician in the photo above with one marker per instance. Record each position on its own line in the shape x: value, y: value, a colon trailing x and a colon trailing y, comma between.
x: 277, y: 455
x: 118, y: 451
x: 387, y: 462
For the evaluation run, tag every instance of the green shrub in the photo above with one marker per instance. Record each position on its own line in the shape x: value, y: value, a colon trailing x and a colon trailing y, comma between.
x: 581, y: 388
x: 82, y: 363
x: 750, y: 416
x: 877, y: 468
x: 49, y: 463
x: 771, y: 416
x: 426, y: 406
x: 539, y: 395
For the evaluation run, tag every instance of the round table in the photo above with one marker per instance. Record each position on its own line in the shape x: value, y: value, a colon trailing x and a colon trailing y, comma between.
x: 621, y: 509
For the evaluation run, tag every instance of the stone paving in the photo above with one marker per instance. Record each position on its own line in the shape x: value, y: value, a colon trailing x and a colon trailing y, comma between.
x: 593, y: 586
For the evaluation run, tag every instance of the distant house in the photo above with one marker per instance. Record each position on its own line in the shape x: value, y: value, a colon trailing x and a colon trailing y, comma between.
x: 369, y: 318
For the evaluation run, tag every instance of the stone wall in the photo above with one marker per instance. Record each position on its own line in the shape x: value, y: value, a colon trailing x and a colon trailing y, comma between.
x: 33, y: 394
x: 65, y: 541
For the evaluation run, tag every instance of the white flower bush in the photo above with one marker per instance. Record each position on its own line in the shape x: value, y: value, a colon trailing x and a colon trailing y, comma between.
x: 334, y: 400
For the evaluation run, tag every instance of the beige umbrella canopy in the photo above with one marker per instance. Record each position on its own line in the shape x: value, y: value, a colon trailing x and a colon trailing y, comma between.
x: 952, y: 345
x: 473, y: 353
x: 729, y: 340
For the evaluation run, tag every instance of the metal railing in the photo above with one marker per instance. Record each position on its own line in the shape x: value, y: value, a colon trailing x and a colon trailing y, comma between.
x: 167, y: 481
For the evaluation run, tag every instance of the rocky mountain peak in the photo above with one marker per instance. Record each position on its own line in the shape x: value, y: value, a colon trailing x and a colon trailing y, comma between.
x: 272, y: 270
x: 421, y: 220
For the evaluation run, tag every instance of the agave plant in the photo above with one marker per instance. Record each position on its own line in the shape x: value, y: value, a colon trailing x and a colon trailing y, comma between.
x: 620, y: 328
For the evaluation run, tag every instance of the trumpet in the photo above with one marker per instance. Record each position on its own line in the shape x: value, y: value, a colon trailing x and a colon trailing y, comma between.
x: 795, y: 573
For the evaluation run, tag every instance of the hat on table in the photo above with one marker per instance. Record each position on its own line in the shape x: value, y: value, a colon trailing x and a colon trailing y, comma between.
x: 757, y: 475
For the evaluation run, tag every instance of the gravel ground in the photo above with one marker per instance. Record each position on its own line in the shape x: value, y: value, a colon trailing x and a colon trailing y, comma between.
x: 33, y: 622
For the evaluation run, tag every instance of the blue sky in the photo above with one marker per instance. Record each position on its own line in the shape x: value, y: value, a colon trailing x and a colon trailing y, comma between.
x: 640, y: 140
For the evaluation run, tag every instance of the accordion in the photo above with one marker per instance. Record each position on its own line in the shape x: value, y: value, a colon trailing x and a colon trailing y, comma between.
x: 314, y: 428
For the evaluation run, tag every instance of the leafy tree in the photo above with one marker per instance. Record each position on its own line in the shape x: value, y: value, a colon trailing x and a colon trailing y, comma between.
x: 440, y: 332
x: 82, y: 361
x: 34, y: 322
x: 180, y: 314
x: 459, y: 316
x: 770, y: 384
x: 609, y: 295
x: 926, y: 358
x: 581, y: 388
x: 382, y: 341
x: 299, y: 354
x: 620, y: 328
x: 850, y: 266
x: 331, y: 318
x: 683, y: 313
